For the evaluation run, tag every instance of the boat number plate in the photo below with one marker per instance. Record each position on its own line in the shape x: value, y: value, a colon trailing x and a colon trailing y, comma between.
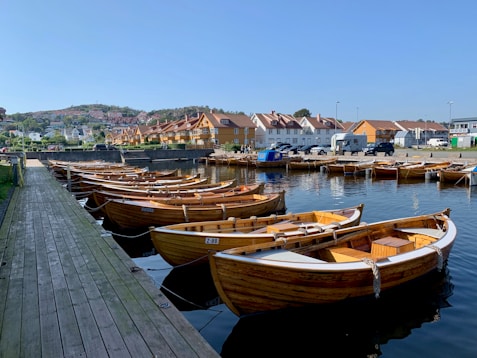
x: 147, y: 210
x: 212, y: 240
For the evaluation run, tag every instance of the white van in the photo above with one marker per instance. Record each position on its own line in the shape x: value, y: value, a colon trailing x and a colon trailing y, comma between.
x: 437, y: 142
x: 348, y: 142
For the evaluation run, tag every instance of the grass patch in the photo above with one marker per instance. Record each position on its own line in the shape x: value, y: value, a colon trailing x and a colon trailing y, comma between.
x: 6, y: 181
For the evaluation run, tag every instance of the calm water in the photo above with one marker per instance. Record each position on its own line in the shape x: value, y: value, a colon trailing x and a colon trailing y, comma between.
x: 433, y: 318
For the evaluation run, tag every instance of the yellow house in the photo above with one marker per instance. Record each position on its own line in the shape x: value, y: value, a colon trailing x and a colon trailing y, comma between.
x: 221, y: 128
x: 377, y: 131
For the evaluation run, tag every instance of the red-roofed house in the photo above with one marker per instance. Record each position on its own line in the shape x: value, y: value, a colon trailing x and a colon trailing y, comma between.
x: 319, y: 130
x: 222, y: 128
x: 276, y: 127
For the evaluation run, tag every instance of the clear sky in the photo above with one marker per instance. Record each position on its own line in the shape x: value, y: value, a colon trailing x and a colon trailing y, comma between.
x: 381, y: 59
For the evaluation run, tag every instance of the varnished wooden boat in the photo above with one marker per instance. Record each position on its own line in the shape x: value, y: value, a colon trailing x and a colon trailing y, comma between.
x: 63, y: 170
x: 419, y: 171
x: 359, y: 168
x: 188, y: 243
x: 332, y: 266
x: 145, y: 213
x: 389, y: 171
x: 247, y: 161
x: 174, y: 190
x: 100, y: 197
x: 137, y: 176
x: 335, y: 168
x: 457, y: 175
x: 88, y: 185
x: 139, y: 181
x: 311, y: 164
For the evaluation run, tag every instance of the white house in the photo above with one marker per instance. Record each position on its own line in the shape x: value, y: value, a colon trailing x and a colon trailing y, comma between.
x: 319, y: 130
x: 276, y: 127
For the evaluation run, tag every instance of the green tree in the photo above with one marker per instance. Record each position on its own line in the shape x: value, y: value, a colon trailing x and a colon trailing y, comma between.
x: 302, y: 113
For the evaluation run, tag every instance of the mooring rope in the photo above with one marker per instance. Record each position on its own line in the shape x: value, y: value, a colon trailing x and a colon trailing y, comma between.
x: 92, y: 210
x: 127, y: 236
x: 376, y: 274
x: 440, y: 257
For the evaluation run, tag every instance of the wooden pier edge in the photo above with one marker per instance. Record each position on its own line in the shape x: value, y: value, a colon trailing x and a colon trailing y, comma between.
x: 67, y: 289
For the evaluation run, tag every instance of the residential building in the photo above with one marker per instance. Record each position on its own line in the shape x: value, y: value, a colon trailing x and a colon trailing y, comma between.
x: 463, y: 132
x: 223, y: 128
x: 403, y: 133
x: 276, y: 127
x: 319, y: 130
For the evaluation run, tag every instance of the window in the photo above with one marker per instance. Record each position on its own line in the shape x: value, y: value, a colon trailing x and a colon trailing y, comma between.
x: 236, y: 130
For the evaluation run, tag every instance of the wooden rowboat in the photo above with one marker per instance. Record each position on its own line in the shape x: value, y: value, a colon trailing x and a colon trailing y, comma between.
x: 457, y: 175
x: 419, y: 171
x: 311, y: 164
x: 100, y: 197
x: 186, y: 243
x: 139, y: 181
x: 145, y: 213
x: 332, y: 266
x: 88, y: 186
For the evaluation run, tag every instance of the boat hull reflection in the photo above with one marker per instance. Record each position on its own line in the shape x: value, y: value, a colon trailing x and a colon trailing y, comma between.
x: 342, y: 330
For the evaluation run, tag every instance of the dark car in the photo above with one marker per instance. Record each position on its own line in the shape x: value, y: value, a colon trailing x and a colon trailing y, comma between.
x: 373, y: 149
x: 101, y: 146
x: 294, y: 149
x: 307, y: 148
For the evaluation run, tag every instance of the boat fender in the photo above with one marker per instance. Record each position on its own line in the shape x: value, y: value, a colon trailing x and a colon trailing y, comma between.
x: 277, y: 235
x: 233, y: 220
x: 224, y: 210
x: 282, y: 241
x: 186, y: 216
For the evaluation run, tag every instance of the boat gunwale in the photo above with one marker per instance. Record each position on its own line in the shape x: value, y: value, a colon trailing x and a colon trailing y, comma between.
x: 324, y: 266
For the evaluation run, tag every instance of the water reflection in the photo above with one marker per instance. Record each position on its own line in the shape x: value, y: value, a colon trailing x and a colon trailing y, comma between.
x: 191, y: 288
x: 341, y: 330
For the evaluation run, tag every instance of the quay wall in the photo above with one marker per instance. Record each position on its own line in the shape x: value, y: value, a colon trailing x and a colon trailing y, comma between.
x: 117, y: 155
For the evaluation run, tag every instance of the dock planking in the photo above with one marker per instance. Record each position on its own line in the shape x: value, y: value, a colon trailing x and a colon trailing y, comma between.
x: 67, y: 289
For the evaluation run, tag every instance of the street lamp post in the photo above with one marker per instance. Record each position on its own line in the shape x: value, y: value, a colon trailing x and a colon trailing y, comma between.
x: 336, y: 114
x: 450, y: 103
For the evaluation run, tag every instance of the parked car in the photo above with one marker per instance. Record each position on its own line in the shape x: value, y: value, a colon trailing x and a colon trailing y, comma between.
x: 293, y: 149
x: 102, y: 146
x: 306, y: 148
x: 373, y: 149
x: 283, y: 148
x: 321, y: 150
x: 437, y: 142
x: 278, y: 145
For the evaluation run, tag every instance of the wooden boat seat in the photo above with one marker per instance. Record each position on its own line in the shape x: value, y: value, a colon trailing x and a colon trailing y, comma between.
x: 284, y: 255
x: 435, y: 233
x: 389, y: 246
x: 345, y: 254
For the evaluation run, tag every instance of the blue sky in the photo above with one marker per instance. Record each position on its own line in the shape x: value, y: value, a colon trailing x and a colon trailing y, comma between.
x: 390, y: 60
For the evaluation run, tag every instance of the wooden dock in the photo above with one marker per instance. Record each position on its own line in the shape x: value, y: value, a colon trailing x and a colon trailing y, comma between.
x: 68, y: 290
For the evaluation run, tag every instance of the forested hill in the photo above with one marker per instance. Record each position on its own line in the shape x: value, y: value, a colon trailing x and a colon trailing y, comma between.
x: 102, y: 112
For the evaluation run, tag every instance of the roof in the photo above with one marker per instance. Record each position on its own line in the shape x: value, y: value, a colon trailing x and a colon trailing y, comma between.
x: 227, y: 120
x: 278, y: 120
x: 412, y: 125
